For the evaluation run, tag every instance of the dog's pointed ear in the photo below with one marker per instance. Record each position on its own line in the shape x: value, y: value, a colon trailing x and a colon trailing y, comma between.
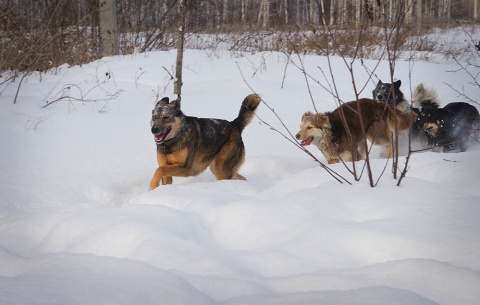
x: 164, y: 101
x: 320, y: 120
x: 397, y: 84
x: 176, y: 103
x: 306, y: 115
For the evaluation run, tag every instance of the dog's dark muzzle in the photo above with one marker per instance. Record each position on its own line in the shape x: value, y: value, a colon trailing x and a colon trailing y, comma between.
x: 160, y: 134
x: 155, y: 129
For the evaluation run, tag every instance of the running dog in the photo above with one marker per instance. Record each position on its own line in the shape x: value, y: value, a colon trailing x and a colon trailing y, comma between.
x: 187, y: 145
x: 339, y: 134
x: 449, y: 127
x: 391, y: 94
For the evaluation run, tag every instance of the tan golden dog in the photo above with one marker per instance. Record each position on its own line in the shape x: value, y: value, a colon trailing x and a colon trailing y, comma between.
x: 339, y: 134
x: 187, y: 145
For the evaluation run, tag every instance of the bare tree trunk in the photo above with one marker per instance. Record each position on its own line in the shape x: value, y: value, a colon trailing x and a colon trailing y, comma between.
x: 475, y: 9
x: 390, y: 19
x: 358, y: 12
x: 332, y: 12
x: 259, y: 17
x: 407, y: 10
x: 264, y: 14
x: 419, y: 11
x: 180, y: 39
x: 108, y: 27
x: 322, y: 12
x: 340, y: 12
x: 431, y: 14
x: 311, y: 13
x: 242, y: 13
x: 225, y: 12
x: 448, y: 7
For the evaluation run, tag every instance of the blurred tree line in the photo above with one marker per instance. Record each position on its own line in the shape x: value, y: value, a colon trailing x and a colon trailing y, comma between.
x: 43, y: 34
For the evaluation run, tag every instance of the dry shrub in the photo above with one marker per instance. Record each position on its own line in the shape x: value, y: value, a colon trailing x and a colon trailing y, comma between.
x: 38, y: 44
x: 40, y: 52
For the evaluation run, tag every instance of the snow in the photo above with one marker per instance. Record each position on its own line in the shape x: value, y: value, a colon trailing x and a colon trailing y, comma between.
x: 78, y: 224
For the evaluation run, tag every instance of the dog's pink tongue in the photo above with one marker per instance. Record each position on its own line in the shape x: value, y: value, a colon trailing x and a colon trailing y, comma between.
x: 159, y: 137
x: 307, y: 141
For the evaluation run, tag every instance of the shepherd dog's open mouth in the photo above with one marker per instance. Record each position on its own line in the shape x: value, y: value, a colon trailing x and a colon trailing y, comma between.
x: 160, y: 136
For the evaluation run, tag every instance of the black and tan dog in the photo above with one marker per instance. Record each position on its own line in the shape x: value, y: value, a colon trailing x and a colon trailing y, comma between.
x: 339, y: 134
x: 187, y: 145
x: 449, y: 127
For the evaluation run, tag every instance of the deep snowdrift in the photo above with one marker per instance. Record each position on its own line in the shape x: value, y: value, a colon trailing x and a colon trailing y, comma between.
x: 79, y: 226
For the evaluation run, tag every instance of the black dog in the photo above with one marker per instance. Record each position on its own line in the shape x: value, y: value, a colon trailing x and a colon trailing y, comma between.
x: 449, y: 127
x: 383, y: 92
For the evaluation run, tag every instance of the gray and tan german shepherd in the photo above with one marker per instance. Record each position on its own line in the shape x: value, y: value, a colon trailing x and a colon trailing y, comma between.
x: 187, y: 145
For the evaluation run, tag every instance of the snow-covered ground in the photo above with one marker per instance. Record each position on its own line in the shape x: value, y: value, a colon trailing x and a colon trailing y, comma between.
x: 79, y: 226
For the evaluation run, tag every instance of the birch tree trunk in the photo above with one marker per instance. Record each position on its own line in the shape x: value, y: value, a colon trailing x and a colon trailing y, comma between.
x: 259, y: 17
x: 419, y: 11
x: 322, y: 12
x: 358, y: 12
x: 242, y: 13
x: 264, y: 13
x: 475, y: 9
x: 107, y: 21
x: 180, y: 39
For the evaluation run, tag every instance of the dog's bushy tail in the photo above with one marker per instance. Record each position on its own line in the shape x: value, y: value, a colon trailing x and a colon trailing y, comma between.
x: 424, y: 97
x: 247, y: 111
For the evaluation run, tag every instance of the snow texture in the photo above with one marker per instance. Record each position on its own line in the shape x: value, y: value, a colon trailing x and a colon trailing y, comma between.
x: 79, y: 226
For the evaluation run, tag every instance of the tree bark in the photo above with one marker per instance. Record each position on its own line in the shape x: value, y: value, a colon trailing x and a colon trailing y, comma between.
x: 475, y: 9
x: 180, y: 39
x: 419, y: 10
x: 358, y: 12
x: 332, y: 12
x: 107, y: 16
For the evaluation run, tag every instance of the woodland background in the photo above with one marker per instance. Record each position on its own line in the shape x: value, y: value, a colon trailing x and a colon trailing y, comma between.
x: 39, y: 35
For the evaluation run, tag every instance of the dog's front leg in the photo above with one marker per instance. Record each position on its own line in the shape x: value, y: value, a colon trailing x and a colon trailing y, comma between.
x: 167, y: 180
x: 160, y: 176
x: 156, y: 179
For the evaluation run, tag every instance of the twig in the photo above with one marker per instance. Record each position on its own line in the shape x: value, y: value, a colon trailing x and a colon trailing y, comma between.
x: 171, y: 75
x: 334, y: 174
